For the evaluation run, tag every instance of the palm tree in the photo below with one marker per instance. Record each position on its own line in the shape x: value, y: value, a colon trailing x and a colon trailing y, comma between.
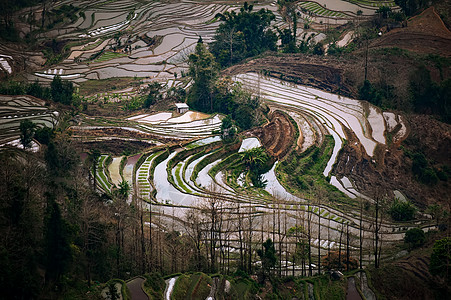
x: 124, y: 189
x: 254, y: 159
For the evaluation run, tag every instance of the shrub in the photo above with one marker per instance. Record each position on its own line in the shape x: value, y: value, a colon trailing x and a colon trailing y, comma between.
x: 402, y: 211
x: 422, y: 171
x: 368, y: 92
x: 441, y: 258
x: 338, y: 262
x: 415, y: 238
x: 44, y: 135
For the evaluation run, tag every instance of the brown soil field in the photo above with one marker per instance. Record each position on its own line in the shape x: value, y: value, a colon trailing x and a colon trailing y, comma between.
x: 425, y: 33
x: 119, y: 132
x: 326, y: 73
x: 277, y: 144
x: 392, y: 169
x: 116, y: 146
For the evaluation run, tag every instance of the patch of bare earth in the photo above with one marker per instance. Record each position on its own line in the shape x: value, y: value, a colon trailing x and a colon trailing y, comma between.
x: 425, y: 33
x: 392, y: 168
x: 323, y: 73
x: 116, y: 146
x: 277, y: 136
x: 119, y: 132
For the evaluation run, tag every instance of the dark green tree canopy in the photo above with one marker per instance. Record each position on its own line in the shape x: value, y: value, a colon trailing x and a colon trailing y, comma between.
x: 402, y: 210
x: 414, y: 238
x: 27, y: 129
x: 441, y: 258
x: 409, y: 7
x: 204, y: 70
x: 268, y: 257
x: 62, y: 90
x: 243, y: 35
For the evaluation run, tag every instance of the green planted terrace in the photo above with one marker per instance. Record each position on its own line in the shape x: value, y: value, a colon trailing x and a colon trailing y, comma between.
x: 319, y: 10
x: 102, y: 173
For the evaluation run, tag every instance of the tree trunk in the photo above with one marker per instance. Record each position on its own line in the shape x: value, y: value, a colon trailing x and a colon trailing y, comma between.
x: 319, y: 236
x: 339, y: 246
x: 309, y: 236
x: 360, y: 235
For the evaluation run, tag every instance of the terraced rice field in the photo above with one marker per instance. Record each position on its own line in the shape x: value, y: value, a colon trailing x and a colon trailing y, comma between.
x: 376, y: 4
x: 187, y: 176
x: 128, y: 38
x: 189, y: 125
x: 319, y: 10
x: 102, y: 175
x: 142, y: 177
x: 114, y: 170
x: 197, y: 167
x: 343, y: 8
x: 14, y: 109
x: 179, y: 25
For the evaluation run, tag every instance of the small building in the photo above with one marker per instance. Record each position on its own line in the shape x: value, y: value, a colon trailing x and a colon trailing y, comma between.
x: 182, y: 108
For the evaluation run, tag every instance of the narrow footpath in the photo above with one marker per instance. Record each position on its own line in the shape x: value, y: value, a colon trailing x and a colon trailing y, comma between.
x: 352, y: 293
x: 135, y: 287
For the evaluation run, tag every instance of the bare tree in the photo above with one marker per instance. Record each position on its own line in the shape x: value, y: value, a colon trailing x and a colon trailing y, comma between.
x: 250, y: 230
x: 240, y: 237
x: 361, y: 233
x: 340, y: 243
x: 309, y: 235
x: 194, y: 226
x: 378, y: 210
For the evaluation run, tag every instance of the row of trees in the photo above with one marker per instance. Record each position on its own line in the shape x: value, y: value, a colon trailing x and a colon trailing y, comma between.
x: 61, y: 91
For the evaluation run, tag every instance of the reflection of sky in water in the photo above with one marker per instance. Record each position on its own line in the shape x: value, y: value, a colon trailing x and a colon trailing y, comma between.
x: 275, y: 188
x: 204, y: 180
x: 166, y: 193
x: 334, y: 110
x: 249, y: 144
x: 205, y: 141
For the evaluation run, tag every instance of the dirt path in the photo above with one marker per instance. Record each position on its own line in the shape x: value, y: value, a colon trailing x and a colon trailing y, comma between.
x: 135, y: 287
x: 352, y: 293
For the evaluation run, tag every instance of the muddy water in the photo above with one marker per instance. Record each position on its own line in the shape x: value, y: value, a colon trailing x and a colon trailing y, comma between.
x: 136, y: 291
x: 275, y: 188
x: 169, y: 287
x: 346, y: 39
x: 128, y: 169
x: 376, y: 120
x: 189, y: 116
x: 114, y: 170
x: 337, y: 146
x: 345, y: 6
x: 204, y: 180
x: 153, y: 119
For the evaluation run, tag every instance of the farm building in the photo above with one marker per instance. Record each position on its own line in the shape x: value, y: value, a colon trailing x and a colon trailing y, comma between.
x: 182, y: 107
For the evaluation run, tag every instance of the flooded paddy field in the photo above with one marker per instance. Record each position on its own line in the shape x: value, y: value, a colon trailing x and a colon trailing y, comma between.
x: 186, y: 174
x: 14, y: 109
x: 182, y: 162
